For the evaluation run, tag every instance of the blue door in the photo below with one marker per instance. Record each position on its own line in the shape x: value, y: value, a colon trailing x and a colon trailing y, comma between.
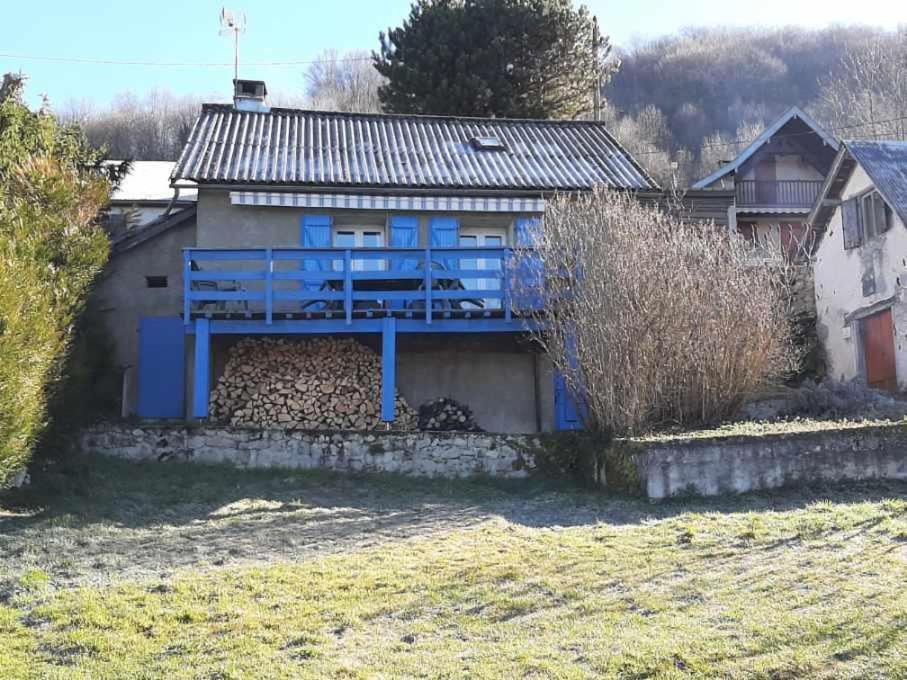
x: 566, y: 414
x: 162, y: 367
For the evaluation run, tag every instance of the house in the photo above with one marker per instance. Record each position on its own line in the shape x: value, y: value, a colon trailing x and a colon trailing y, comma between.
x: 396, y: 230
x: 144, y: 195
x: 149, y: 223
x: 775, y: 180
x: 860, y: 263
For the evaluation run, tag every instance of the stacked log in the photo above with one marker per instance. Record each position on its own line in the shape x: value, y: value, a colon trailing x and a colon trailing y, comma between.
x: 446, y: 414
x: 319, y: 383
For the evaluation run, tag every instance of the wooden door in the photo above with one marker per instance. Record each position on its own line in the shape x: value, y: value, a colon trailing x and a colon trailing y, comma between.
x: 878, y: 350
x: 766, y: 184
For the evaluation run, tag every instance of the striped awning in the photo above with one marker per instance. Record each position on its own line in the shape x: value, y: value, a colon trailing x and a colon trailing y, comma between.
x: 280, y: 199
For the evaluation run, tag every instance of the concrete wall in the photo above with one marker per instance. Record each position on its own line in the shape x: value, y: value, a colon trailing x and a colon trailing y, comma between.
x: 417, y: 454
x: 839, y: 289
x: 507, y: 389
x: 124, y: 298
x: 736, y: 465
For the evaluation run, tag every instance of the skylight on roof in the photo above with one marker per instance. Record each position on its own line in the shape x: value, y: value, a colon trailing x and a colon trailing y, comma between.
x: 488, y: 143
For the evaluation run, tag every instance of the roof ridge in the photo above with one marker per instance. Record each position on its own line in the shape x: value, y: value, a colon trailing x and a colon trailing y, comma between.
x: 405, y: 116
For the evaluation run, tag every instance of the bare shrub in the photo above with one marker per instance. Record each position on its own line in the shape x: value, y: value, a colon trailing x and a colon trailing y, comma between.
x: 653, y: 320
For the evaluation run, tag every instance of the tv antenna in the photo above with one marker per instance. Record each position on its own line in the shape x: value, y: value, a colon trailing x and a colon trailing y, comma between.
x: 231, y: 22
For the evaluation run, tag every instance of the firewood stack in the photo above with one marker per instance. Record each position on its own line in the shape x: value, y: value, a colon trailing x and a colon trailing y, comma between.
x: 319, y: 383
x: 446, y: 414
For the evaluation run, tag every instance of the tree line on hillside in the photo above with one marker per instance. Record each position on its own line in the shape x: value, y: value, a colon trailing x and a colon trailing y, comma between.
x: 682, y: 103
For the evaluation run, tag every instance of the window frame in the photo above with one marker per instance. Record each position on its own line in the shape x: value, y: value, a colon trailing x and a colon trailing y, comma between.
x: 868, y: 216
x: 480, y: 234
x: 359, y: 233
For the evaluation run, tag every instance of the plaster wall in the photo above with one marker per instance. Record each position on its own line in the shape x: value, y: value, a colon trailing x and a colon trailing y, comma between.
x: 124, y: 297
x: 840, y: 300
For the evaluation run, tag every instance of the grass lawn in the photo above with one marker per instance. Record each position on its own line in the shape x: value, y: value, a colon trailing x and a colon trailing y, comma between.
x: 112, y: 570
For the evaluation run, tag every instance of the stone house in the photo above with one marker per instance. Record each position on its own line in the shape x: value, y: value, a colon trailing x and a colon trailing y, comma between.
x: 860, y: 264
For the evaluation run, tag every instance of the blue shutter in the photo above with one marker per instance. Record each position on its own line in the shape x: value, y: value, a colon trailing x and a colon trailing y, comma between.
x: 404, y: 234
x: 316, y: 233
x: 445, y: 233
x: 528, y: 288
x: 566, y: 413
x: 162, y: 368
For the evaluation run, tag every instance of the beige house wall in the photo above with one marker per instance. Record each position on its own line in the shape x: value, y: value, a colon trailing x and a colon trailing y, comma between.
x: 839, y: 290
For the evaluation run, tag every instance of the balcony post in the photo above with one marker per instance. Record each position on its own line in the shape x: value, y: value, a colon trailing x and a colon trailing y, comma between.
x: 388, y: 368
x: 348, y: 285
x: 505, y: 270
x: 269, y: 286
x: 187, y: 285
x: 429, y: 282
x: 202, y: 369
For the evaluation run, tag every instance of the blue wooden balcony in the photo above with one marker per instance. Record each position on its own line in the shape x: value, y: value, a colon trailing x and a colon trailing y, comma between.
x: 354, y: 290
x: 352, y: 284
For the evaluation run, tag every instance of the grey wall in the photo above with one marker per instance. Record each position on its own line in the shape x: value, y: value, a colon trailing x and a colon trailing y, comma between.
x: 499, y: 387
x: 222, y: 225
x: 124, y: 297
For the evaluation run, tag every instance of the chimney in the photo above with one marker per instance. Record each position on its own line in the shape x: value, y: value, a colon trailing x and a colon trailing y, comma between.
x: 250, y: 95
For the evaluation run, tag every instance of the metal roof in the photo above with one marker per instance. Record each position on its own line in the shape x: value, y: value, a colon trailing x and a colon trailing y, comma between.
x: 886, y: 165
x: 766, y: 136
x: 290, y: 147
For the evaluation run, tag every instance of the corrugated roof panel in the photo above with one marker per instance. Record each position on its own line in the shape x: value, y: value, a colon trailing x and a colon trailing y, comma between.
x: 886, y: 165
x: 297, y: 148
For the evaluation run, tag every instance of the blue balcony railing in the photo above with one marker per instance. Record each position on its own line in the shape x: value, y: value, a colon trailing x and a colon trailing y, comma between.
x: 300, y: 283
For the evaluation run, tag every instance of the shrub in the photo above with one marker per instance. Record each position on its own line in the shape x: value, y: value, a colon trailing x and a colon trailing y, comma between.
x: 50, y: 253
x: 653, y: 320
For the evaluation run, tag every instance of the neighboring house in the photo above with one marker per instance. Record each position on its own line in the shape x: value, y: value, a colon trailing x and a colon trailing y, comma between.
x: 395, y: 229
x: 144, y: 195
x: 861, y: 263
x: 776, y: 180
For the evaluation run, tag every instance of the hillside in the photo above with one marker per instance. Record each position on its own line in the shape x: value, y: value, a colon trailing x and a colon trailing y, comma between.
x: 681, y: 103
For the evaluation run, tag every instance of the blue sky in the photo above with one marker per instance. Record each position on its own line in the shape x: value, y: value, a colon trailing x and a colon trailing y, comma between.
x: 293, y: 30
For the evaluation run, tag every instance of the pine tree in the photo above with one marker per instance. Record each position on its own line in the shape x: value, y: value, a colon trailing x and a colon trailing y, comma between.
x: 502, y: 58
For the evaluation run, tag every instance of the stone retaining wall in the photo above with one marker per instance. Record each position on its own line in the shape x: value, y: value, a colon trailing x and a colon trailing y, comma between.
x: 413, y: 453
x: 710, y: 467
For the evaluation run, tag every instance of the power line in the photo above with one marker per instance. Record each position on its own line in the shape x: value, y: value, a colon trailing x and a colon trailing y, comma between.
x: 735, y: 142
x: 168, y: 64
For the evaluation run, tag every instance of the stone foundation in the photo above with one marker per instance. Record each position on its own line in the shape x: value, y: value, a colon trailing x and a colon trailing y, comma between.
x: 426, y: 454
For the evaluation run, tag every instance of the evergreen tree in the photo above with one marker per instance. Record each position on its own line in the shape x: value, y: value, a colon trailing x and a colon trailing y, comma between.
x: 52, y: 188
x: 504, y: 58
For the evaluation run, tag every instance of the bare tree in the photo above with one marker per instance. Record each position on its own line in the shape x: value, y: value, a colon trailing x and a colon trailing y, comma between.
x: 151, y: 128
x: 653, y: 320
x: 867, y: 98
x: 343, y: 82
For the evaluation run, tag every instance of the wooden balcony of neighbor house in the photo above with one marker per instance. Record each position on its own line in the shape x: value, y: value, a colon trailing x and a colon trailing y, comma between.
x: 795, y: 194
x: 348, y: 286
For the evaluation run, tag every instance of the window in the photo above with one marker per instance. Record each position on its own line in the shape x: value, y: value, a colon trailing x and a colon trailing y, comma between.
x: 864, y: 217
x: 875, y: 214
x: 483, y: 238
x: 156, y: 281
x: 487, y: 143
x: 360, y: 237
